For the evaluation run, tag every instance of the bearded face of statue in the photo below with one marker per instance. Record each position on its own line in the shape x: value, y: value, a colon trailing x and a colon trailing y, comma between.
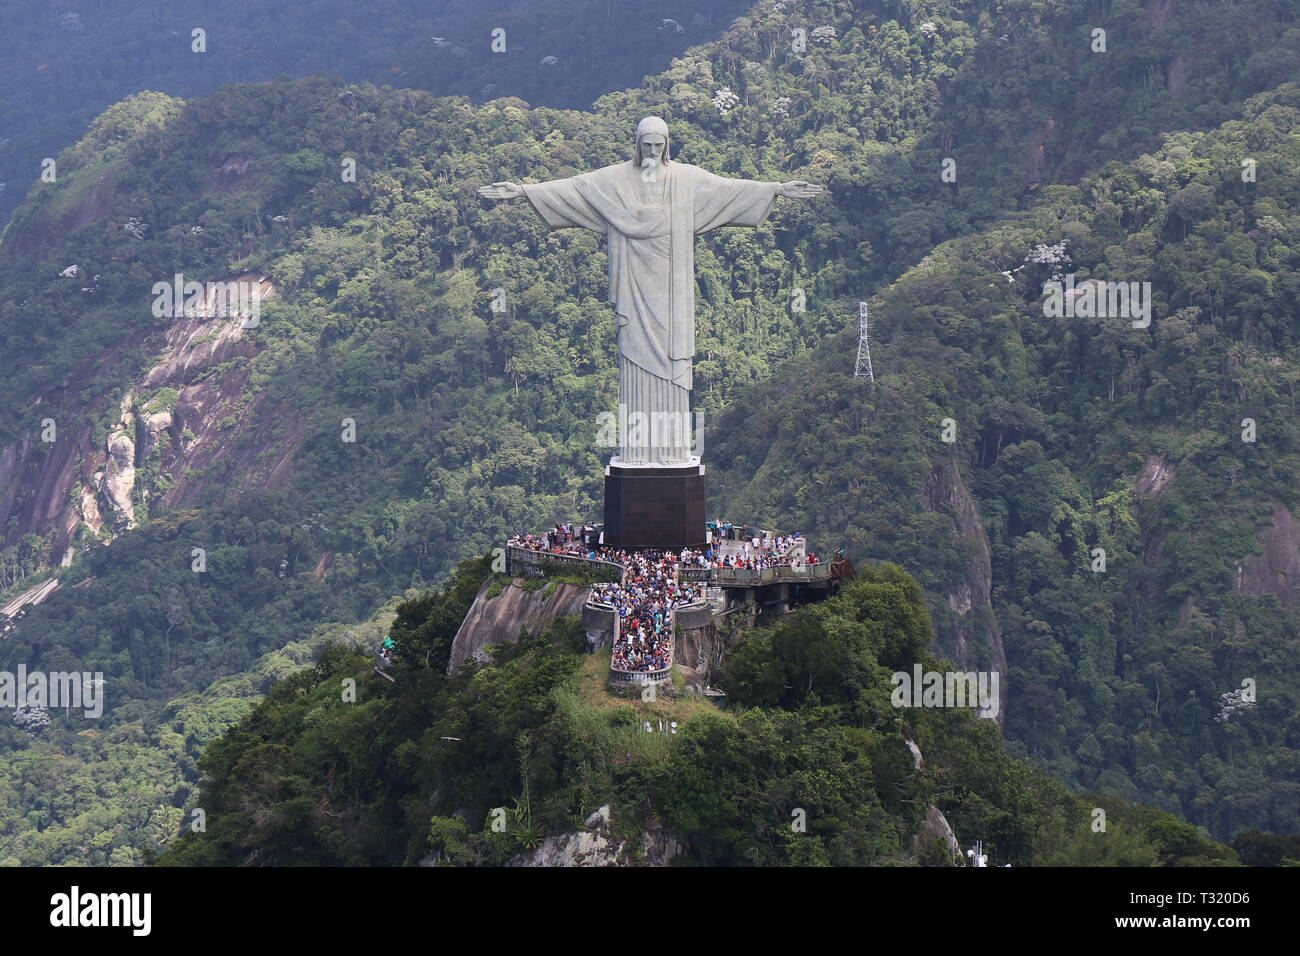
x: 651, y: 153
x: 653, y: 147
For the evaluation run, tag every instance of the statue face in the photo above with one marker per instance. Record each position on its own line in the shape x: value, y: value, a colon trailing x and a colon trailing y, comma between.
x: 652, y: 146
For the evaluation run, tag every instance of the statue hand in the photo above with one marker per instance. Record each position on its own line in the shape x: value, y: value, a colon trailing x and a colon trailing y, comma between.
x: 501, y: 191
x: 798, y: 189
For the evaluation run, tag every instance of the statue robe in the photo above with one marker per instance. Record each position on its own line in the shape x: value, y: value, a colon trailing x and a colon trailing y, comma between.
x: 651, y: 229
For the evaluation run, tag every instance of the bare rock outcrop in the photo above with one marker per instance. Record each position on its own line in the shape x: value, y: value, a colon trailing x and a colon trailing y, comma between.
x: 977, y: 635
x: 119, y: 477
x: 936, y: 825
x: 699, y: 650
x: 208, y: 439
x: 595, y: 847
x: 918, y: 762
x: 1277, y: 570
x: 1155, y: 477
x: 498, y: 619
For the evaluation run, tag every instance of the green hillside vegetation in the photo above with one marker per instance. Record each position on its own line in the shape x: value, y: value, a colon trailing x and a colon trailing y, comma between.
x: 111, y: 792
x: 416, y: 768
x: 1117, y: 678
x: 473, y: 423
x: 66, y: 66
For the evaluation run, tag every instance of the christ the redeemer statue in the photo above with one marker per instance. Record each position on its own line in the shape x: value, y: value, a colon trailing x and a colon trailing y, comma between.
x: 652, y: 208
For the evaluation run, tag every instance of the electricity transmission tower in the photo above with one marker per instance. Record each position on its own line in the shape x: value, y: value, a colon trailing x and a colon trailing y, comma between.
x: 863, y: 366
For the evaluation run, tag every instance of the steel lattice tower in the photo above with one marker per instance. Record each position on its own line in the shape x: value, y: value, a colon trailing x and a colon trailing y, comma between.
x: 863, y: 365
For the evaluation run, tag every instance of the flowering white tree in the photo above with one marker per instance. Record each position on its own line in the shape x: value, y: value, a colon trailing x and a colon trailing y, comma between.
x: 725, y: 100
x: 32, y: 719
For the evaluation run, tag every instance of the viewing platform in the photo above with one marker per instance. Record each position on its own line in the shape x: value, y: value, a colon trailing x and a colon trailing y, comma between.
x: 786, y: 578
x: 525, y: 562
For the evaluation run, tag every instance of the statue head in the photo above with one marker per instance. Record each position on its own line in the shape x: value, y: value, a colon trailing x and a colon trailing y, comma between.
x: 651, y: 132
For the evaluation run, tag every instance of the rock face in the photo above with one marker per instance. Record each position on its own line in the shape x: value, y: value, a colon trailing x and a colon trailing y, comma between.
x: 500, y: 619
x: 936, y: 824
x: 76, y: 486
x: 119, y: 478
x: 976, y: 641
x: 594, y: 847
x: 1155, y: 477
x: 698, y: 652
x: 1277, y: 570
x: 918, y: 762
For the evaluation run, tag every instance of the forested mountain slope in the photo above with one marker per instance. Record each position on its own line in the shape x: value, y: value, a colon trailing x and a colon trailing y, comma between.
x: 1174, y: 449
x: 471, y: 423
x: 496, y: 763
x: 66, y: 62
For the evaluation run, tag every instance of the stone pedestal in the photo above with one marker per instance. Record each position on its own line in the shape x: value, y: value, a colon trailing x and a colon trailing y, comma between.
x: 654, y: 507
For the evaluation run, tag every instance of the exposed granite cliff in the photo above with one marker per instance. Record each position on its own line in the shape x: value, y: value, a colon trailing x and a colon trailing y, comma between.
x: 1277, y: 570
x: 188, y: 420
x: 975, y: 642
x: 595, y: 847
x: 493, y: 620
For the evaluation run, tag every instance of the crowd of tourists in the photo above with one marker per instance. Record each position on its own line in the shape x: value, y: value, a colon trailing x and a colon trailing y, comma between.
x: 650, y: 588
x: 754, y: 550
x: 561, y: 538
x: 644, y: 601
x: 726, y: 531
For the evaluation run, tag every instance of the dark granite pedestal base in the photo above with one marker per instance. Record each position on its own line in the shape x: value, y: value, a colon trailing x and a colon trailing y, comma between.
x: 654, y: 507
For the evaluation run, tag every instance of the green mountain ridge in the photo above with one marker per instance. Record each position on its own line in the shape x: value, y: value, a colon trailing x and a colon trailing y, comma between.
x: 472, y: 423
x: 66, y: 66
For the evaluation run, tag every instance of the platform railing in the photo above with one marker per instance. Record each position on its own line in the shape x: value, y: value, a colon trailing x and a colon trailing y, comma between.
x: 721, y: 576
x: 631, y: 678
x: 784, y: 572
x: 538, y: 559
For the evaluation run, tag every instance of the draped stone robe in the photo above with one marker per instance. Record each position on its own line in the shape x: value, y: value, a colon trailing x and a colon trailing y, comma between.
x: 651, y: 226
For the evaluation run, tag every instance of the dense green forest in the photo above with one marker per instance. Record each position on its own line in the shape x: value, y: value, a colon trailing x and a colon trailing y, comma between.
x: 65, y: 66
x: 1119, y: 678
x: 308, y: 778
x: 472, y: 423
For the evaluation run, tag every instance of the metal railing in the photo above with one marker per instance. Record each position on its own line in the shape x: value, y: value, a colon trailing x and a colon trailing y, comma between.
x: 640, y: 677
x: 734, y: 576
x: 514, y: 553
x: 785, y: 572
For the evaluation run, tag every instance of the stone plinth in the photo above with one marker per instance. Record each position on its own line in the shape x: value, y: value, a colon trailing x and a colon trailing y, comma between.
x: 654, y: 507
